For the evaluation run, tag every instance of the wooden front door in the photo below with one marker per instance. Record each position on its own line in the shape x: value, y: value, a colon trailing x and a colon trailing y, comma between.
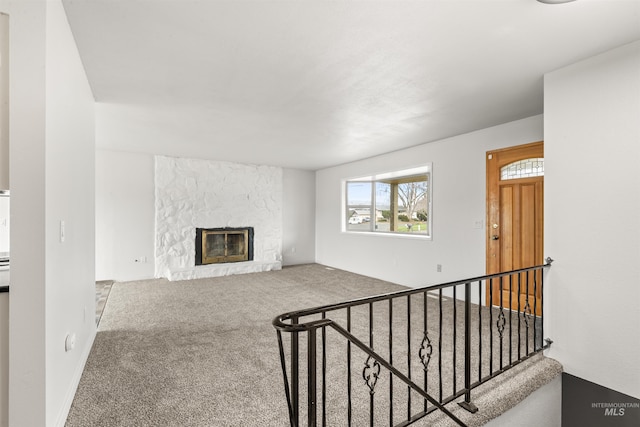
x: 515, y: 186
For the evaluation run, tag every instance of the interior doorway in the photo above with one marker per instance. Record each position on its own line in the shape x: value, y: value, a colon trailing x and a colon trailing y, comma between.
x: 515, y: 223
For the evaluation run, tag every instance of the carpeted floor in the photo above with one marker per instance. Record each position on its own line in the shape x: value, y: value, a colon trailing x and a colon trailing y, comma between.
x: 204, y: 353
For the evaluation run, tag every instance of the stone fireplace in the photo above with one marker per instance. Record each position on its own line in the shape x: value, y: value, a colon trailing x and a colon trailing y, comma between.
x: 222, y: 245
x: 192, y: 194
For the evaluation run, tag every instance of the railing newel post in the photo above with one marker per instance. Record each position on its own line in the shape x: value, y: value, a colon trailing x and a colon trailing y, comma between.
x: 467, y: 351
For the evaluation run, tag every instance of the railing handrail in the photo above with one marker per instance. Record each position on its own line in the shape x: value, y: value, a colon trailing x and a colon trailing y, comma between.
x: 279, y: 324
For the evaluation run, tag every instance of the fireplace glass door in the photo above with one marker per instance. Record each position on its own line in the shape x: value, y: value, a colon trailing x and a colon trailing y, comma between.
x: 224, y: 246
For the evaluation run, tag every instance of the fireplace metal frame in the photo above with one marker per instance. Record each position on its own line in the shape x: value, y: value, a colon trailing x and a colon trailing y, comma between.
x: 201, y: 233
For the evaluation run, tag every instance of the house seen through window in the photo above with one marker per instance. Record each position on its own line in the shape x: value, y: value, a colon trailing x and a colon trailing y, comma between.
x: 398, y: 202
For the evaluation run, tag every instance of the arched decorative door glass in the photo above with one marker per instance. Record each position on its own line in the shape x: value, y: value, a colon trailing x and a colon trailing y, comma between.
x: 526, y: 168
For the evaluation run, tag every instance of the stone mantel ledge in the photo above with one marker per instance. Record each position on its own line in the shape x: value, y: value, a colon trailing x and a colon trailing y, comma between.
x: 226, y: 269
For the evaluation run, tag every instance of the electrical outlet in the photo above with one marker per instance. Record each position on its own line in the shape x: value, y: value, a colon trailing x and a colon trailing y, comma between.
x: 70, y: 342
x: 439, y: 268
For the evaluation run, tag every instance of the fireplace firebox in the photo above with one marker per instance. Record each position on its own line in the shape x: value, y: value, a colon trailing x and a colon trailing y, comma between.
x: 222, y: 245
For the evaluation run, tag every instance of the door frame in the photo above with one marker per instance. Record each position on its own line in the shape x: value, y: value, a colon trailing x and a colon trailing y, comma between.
x: 506, y: 156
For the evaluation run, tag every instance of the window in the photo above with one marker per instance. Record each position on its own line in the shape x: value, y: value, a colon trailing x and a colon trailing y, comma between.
x: 397, y: 202
x: 523, y: 169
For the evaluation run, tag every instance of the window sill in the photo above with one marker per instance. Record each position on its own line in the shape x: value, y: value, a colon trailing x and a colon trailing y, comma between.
x: 390, y: 235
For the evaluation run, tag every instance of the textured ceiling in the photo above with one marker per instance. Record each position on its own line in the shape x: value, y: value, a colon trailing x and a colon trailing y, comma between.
x: 310, y: 84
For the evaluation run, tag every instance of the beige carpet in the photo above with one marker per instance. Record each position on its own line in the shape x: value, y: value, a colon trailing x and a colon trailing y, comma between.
x: 204, y: 353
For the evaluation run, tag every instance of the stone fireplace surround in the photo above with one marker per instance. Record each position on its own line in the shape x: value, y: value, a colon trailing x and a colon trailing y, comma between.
x: 195, y: 193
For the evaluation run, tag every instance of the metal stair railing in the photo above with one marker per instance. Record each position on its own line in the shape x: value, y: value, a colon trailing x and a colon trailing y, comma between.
x: 519, y: 328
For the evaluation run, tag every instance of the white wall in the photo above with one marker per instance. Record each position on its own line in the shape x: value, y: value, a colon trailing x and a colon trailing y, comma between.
x: 4, y: 229
x: 70, y: 197
x: 4, y: 359
x: 592, y: 221
x: 52, y: 179
x: 124, y: 215
x: 4, y: 102
x: 458, y: 203
x: 298, y: 216
x: 27, y: 349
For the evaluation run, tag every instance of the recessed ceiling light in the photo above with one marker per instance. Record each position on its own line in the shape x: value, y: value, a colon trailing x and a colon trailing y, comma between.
x: 555, y: 1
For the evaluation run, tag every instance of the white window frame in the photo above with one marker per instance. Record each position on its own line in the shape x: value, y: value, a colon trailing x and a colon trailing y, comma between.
x: 386, y: 177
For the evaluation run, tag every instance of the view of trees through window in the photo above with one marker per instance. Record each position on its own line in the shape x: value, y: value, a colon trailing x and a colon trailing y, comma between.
x: 396, y: 205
